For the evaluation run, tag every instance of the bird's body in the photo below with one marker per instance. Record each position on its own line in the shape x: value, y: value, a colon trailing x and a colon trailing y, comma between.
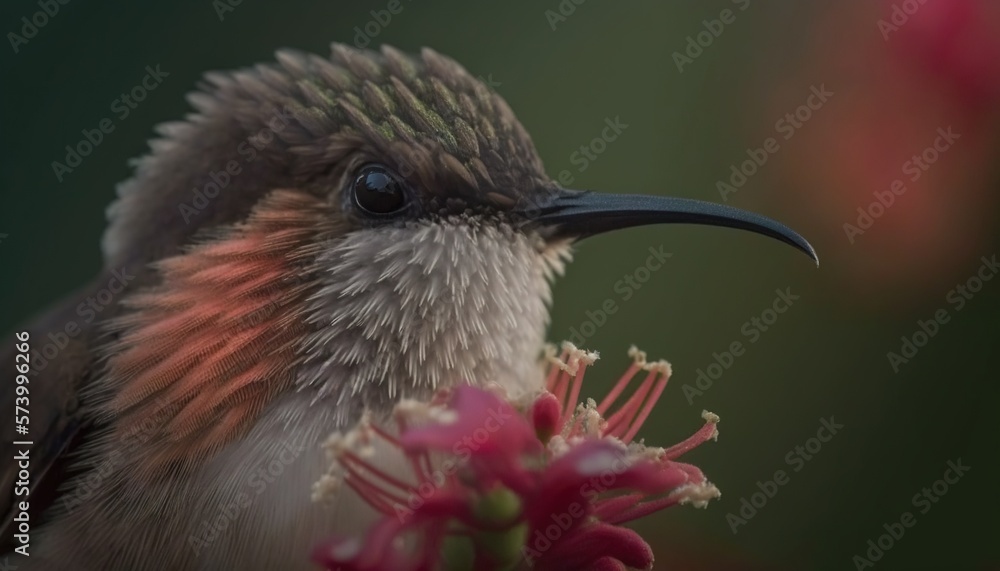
x: 264, y: 321
x: 384, y: 235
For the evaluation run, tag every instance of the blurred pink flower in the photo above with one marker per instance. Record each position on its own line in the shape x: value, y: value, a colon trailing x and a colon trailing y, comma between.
x: 910, y: 71
x: 954, y: 42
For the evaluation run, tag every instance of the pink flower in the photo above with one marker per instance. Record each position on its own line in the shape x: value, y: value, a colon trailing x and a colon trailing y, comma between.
x: 495, y: 485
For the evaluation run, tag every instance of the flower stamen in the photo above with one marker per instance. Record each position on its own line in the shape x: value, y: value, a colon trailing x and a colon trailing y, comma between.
x: 493, y: 474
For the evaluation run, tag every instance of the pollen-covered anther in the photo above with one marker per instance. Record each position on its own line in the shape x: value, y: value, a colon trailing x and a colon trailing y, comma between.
x: 711, y: 418
x: 698, y: 495
x: 573, y: 357
x: 661, y: 366
x: 570, y: 358
x: 357, y: 440
x: 641, y: 360
x: 588, y: 420
x: 638, y: 356
x: 341, y: 448
x: 410, y: 412
x: 326, y: 488
x: 335, y: 443
x: 549, y: 353
x: 640, y: 451
x: 558, y: 446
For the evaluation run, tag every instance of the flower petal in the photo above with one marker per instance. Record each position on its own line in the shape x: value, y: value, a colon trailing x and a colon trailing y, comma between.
x: 484, y: 424
x: 594, y: 543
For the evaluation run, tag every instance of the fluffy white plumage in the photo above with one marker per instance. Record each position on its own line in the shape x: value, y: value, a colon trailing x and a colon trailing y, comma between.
x: 402, y: 311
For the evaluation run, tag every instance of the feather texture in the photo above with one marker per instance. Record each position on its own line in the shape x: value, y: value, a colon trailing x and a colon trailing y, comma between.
x: 206, y: 349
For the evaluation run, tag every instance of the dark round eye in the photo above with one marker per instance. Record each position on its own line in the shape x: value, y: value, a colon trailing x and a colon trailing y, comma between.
x: 378, y: 191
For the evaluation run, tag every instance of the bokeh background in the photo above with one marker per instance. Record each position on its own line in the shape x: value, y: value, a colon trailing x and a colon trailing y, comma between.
x: 565, y: 67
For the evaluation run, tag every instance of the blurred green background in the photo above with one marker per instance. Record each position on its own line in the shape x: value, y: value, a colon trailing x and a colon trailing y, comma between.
x: 825, y: 356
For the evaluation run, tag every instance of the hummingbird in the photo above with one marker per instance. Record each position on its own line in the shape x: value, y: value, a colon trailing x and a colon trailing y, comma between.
x: 320, y: 238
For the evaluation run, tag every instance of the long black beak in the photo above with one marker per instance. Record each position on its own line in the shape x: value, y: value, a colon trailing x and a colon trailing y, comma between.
x: 579, y: 214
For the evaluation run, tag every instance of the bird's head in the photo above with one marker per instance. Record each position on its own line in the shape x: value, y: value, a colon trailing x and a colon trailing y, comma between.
x: 362, y: 227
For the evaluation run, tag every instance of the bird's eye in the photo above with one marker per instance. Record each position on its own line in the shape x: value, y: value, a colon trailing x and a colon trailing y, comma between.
x: 378, y: 191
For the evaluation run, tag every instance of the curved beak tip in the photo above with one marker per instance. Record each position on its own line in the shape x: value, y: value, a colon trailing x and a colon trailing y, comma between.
x: 580, y: 214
